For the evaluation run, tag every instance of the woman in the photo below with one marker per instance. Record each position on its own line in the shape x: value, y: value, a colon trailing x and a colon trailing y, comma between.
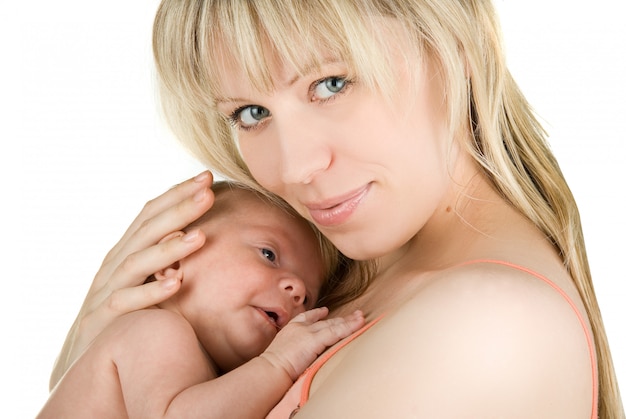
x: 396, y: 129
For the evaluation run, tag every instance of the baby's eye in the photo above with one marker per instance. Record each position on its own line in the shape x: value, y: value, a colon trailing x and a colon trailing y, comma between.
x: 328, y: 87
x: 249, y: 116
x: 269, y: 255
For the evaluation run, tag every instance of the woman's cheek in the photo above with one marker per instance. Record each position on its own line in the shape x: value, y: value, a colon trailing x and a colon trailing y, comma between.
x: 259, y: 162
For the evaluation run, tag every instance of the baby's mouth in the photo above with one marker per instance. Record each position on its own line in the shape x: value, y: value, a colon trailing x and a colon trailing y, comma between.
x: 274, y: 316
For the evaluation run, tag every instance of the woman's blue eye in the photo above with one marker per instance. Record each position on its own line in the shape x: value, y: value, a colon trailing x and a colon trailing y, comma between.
x: 269, y: 255
x: 329, y: 87
x: 250, y: 115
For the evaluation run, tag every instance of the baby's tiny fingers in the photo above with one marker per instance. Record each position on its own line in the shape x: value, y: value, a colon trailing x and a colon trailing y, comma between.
x: 311, y: 316
x: 341, y: 327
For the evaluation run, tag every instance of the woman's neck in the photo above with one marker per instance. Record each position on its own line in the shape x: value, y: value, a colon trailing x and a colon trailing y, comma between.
x: 472, y: 221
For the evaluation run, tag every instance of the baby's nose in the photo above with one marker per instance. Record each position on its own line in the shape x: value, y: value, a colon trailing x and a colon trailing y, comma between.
x: 295, y: 288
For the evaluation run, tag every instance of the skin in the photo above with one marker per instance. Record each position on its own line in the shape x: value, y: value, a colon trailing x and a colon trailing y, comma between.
x: 190, y: 358
x: 456, y: 341
x: 140, y: 252
x: 381, y: 182
x: 258, y: 259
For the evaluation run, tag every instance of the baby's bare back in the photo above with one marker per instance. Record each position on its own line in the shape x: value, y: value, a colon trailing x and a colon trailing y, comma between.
x: 123, y: 372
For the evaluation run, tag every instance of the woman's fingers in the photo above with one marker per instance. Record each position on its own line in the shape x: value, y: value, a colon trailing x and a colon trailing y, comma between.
x: 116, y: 303
x: 133, y: 271
x: 171, y: 211
x: 139, y: 253
x: 179, y: 207
x: 118, y: 286
x: 136, y: 267
x: 125, y: 300
x: 173, y: 196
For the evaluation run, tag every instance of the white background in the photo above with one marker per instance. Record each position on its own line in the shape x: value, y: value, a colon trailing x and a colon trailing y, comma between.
x: 83, y: 148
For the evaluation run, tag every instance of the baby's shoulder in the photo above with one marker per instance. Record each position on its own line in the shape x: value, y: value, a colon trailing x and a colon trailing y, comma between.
x: 151, y: 327
x: 151, y: 316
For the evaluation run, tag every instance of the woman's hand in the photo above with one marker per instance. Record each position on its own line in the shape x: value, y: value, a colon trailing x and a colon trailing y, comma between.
x: 118, y: 287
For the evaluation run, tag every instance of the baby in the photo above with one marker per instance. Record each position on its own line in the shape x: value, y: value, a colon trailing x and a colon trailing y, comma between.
x: 233, y: 339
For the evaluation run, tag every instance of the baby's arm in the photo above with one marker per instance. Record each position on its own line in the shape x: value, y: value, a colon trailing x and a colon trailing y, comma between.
x: 253, y: 389
x: 151, y: 364
x: 134, y: 369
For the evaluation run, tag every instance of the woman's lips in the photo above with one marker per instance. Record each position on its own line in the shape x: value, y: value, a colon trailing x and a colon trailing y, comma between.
x: 337, y: 210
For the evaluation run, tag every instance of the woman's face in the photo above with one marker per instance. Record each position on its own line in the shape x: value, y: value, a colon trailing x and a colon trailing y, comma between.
x: 368, y: 172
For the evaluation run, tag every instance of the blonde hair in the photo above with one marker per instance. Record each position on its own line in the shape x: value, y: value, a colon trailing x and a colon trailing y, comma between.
x: 463, y: 37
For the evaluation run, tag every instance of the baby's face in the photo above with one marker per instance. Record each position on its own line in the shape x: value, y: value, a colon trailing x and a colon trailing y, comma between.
x: 259, y: 268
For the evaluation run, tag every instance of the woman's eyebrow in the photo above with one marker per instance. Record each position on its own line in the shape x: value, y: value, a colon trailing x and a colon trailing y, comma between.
x: 310, y: 68
x: 306, y: 70
x: 221, y: 100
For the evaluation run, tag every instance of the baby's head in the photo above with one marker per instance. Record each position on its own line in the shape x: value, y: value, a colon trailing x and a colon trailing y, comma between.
x: 240, y: 207
x: 261, y: 265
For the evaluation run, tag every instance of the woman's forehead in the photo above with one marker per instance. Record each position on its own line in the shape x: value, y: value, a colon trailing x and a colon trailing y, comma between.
x: 236, y: 86
x: 235, y: 72
x: 262, y: 62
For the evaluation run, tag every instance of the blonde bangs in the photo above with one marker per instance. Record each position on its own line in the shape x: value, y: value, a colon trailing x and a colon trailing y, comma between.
x: 196, y: 44
x: 259, y: 36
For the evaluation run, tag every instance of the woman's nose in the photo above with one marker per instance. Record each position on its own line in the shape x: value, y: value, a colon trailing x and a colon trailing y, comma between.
x: 304, y: 151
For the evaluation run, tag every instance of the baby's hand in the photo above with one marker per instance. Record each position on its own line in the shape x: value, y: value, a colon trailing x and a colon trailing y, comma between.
x: 306, y: 336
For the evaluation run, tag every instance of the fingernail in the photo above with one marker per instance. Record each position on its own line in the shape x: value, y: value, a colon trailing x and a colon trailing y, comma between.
x: 169, y: 283
x: 191, y: 236
x: 201, y: 177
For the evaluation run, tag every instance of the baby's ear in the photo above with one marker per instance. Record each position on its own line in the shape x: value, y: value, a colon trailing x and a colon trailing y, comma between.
x: 172, y: 271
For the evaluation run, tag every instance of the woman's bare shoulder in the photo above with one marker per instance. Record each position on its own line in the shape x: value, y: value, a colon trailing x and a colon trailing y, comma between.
x: 478, y: 340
